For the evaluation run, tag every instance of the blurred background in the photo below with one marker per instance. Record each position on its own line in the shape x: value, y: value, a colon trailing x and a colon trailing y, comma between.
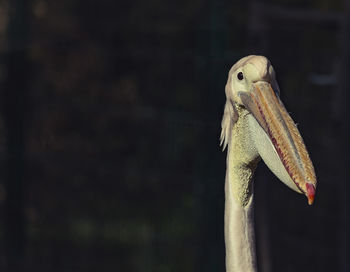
x: 110, y: 117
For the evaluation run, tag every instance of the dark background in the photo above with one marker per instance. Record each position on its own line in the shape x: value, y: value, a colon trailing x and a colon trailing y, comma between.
x: 110, y: 123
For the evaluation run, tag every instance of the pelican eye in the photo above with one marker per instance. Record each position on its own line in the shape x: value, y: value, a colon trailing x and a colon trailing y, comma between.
x: 240, y: 76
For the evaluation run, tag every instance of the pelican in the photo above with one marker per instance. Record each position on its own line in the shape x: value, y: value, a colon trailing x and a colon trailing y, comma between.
x: 256, y: 125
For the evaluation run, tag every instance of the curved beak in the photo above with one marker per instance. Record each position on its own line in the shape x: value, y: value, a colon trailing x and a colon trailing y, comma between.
x: 283, y: 137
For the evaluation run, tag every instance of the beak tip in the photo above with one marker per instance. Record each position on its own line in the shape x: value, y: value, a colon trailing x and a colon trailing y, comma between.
x: 310, y: 199
x: 310, y: 193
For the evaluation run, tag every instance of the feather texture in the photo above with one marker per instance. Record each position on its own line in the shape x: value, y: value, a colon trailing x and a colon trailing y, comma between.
x: 228, y: 120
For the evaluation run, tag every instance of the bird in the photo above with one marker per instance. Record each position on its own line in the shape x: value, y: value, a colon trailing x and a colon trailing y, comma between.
x: 255, y: 126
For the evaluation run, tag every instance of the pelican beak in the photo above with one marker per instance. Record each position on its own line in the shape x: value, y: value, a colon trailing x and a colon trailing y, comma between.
x: 289, y: 161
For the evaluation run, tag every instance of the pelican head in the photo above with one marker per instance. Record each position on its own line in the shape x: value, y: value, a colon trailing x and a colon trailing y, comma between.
x: 252, y: 97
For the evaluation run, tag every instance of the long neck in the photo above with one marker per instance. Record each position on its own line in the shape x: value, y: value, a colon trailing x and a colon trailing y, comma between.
x: 239, y: 221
